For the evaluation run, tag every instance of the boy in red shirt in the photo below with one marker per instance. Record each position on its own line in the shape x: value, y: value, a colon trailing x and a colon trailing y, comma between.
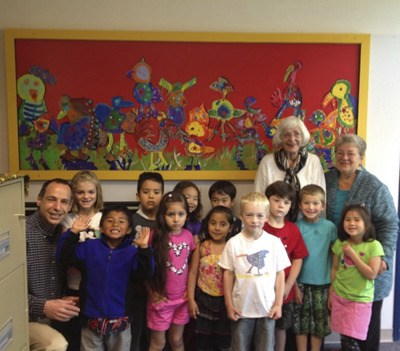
x: 281, y: 196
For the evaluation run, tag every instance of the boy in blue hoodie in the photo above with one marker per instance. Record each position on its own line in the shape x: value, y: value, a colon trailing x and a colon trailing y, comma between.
x: 107, y: 265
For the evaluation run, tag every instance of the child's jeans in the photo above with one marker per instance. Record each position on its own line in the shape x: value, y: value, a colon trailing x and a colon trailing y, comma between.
x: 90, y: 340
x: 259, y: 332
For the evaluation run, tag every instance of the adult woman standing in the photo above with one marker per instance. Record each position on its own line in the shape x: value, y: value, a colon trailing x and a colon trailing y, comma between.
x: 350, y: 183
x: 290, y: 162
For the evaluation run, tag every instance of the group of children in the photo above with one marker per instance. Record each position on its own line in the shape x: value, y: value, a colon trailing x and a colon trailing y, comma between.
x: 244, y: 282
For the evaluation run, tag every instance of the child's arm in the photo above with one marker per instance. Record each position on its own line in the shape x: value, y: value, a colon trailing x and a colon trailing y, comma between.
x: 293, y: 274
x: 335, y: 266
x: 276, y: 310
x: 144, y: 269
x: 192, y: 279
x: 229, y: 279
x: 368, y: 270
x: 66, y: 249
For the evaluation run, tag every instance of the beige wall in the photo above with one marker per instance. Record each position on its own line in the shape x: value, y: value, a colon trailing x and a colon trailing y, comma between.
x: 378, y: 18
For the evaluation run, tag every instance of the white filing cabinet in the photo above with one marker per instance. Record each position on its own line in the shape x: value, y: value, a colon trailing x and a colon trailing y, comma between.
x: 13, y: 285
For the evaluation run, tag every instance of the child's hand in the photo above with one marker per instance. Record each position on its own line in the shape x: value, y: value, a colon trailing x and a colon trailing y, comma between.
x: 193, y: 309
x: 276, y: 312
x: 329, y: 302
x: 155, y: 297
x: 383, y: 268
x: 298, y: 295
x: 349, y: 251
x: 81, y: 223
x: 233, y: 313
x: 142, y: 239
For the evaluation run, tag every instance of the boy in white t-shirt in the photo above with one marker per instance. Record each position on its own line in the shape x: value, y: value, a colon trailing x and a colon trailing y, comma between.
x: 254, y: 278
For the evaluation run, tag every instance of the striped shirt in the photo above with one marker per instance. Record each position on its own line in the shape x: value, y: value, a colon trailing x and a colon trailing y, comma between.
x: 44, y: 272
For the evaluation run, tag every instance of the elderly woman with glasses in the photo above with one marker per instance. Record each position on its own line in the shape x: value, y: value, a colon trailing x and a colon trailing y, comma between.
x: 290, y: 162
x: 350, y: 183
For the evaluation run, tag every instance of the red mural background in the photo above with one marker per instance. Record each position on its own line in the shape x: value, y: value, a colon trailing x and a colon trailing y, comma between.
x: 99, y: 70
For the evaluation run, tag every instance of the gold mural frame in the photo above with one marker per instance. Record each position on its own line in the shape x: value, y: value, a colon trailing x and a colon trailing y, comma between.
x: 11, y: 35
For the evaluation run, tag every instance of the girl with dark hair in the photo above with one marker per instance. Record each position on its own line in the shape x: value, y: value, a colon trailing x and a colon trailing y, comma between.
x: 193, y: 197
x: 205, y: 284
x: 355, y: 264
x: 167, y: 308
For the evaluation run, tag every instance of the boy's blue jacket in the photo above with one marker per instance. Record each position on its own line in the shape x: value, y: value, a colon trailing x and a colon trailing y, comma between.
x: 106, y: 272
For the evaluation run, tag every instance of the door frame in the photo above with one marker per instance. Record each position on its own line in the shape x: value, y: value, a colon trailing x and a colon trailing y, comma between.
x: 396, y: 306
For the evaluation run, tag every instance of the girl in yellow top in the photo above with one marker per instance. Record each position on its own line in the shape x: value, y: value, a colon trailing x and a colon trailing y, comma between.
x: 205, y: 286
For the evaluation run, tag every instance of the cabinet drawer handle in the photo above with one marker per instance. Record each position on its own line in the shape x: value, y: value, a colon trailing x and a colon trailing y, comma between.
x: 20, y: 215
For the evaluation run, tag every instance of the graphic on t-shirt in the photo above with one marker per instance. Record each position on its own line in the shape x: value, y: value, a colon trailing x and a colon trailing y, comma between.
x: 346, y: 261
x: 177, y: 249
x: 256, y: 260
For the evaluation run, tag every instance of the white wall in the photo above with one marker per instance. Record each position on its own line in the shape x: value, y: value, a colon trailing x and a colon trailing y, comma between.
x: 378, y: 18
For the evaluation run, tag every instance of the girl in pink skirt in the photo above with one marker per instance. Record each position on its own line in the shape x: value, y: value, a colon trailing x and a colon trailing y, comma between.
x: 356, y: 262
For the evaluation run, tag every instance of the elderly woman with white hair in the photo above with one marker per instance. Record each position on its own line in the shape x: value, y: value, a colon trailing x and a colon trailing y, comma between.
x: 290, y: 162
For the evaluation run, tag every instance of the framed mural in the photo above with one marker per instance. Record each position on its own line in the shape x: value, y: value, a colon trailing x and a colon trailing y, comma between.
x: 190, y: 105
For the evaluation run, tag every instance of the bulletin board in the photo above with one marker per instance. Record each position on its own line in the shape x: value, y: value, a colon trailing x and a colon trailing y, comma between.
x: 188, y: 105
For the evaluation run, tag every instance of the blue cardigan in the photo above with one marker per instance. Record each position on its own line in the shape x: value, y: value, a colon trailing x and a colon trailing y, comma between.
x: 369, y: 190
x: 106, y: 272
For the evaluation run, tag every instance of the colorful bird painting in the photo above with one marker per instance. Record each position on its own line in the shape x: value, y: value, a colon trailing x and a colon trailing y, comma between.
x: 112, y: 120
x: 152, y: 138
x: 291, y: 96
x: 344, y: 104
x: 39, y: 141
x: 247, y: 132
x: 79, y: 128
x: 222, y: 85
x: 222, y: 109
x: 323, y: 135
x: 197, y: 132
x: 322, y: 138
x: 33, y: 120
x: 176, y: 100
x: 144, y: 92
x: 31, y: 90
